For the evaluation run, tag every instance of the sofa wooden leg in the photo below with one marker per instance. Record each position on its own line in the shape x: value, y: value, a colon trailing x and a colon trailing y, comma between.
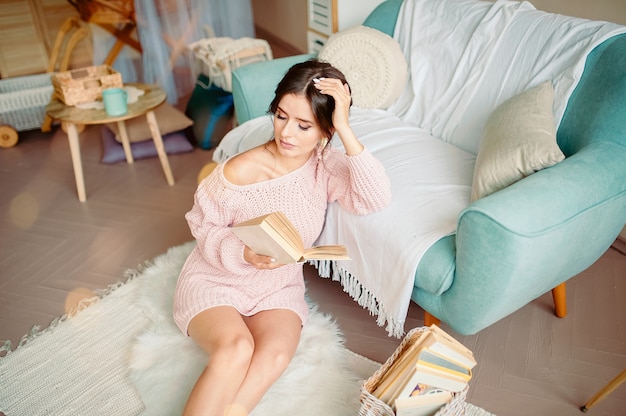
x: 430, y: 319
x: 560, y: 300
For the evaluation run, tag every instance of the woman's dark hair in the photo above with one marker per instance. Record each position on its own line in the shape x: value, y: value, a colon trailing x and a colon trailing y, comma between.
x: 299, y: 80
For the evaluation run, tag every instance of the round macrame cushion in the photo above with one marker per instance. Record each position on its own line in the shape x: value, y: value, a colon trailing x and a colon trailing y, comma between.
x: 372, y: 62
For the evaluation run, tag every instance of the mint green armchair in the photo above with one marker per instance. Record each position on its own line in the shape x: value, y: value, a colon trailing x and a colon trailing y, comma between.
x: 531, y: 237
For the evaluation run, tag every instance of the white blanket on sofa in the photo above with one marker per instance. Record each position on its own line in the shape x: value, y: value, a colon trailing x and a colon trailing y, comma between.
x: 430, y: 184
x: 466, y: 57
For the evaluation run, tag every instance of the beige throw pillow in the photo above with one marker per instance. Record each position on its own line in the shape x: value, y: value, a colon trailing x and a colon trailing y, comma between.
x: 168, y: 118
x: 519, y: 139
x: 372, y: 62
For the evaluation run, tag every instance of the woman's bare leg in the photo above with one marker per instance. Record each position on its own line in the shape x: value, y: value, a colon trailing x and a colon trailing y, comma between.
x: 222, y: 333
x: 276, y: 335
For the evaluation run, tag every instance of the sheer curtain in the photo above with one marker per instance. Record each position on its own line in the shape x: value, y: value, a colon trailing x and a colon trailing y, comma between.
x: 164, y: 28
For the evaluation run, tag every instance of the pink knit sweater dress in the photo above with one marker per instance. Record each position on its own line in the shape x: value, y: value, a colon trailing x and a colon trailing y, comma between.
x: 215, y: 273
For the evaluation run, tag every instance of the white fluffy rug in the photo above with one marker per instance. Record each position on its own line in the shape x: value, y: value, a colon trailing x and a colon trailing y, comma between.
x: 162, y: 358
x: 121, y: 354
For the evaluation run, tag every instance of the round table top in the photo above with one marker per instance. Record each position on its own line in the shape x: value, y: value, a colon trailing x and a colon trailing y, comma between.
x: 152, y: 98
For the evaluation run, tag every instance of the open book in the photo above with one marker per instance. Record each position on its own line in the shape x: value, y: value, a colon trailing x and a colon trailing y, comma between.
x: 274, y: 235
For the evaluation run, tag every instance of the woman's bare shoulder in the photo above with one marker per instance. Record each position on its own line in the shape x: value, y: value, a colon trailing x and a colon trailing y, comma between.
x: 245, y: 168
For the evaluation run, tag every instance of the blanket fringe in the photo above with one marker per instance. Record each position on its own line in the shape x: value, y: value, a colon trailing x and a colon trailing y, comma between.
x: 6, y: 346
x: 358, y: 292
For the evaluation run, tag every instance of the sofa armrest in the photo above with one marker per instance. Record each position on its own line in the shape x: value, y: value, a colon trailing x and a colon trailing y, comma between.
x: 254, y: 85
x: 520, y: 242
x: 555, y: 196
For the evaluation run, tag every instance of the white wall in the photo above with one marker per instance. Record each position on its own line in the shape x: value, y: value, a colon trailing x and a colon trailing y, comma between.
x: 284, y: 19
x: 607, y: 10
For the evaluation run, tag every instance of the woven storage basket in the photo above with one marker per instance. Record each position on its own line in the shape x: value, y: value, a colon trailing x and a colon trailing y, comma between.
x: 23, y: 101
x: 85, y: 84
x: 372, y: 406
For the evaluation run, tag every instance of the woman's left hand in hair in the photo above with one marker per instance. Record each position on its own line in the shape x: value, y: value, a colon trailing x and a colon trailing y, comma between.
x: 341, y: 93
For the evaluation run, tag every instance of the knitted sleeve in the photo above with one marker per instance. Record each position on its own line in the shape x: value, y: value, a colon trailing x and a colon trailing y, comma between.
x: 209, y: 224
x: 359, y: 183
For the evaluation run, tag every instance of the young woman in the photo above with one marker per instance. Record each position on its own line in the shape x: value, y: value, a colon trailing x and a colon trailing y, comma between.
x: 244, y: 309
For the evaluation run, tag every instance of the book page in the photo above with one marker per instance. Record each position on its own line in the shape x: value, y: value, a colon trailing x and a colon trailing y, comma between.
x: 400, y: 366
x: 450, y: 347
x: 327, y: 252
x: 422, y: 394
x: 440, y: 361
x: 265, y: 243
x: 279, y: 222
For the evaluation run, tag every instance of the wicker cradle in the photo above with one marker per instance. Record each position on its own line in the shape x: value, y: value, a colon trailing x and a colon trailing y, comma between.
x: 23, y: 102
x: 372, y: 406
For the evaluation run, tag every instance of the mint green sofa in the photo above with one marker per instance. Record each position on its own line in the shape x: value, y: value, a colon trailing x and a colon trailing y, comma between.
x: 531, y: 237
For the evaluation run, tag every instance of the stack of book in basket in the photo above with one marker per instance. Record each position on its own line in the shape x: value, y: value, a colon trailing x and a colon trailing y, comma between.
x: 427, y: 375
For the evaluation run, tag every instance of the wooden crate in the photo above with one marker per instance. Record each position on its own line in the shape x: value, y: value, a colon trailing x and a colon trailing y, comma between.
x: 85, y: 84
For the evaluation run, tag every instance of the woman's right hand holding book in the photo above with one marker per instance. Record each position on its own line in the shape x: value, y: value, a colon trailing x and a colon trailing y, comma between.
x: 260, y: 261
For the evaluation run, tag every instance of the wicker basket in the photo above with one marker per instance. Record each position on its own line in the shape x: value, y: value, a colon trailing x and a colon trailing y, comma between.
x: 85, y: 84
x: 372, y: 406
x: 23, y: 101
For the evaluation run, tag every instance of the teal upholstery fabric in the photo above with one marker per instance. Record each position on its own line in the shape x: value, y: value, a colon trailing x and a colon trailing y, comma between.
x: 384, y: 17
x: 596, y: 111
x: 520, y: 242
x: 436, y: 270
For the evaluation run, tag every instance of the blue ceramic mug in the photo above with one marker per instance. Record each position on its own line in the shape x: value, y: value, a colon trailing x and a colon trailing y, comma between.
x: 115, y: 101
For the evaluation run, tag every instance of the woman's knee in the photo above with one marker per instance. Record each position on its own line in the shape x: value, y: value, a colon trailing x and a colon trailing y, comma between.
x: 236, y: 349
x: 276, y: 359
x: 282, y: 360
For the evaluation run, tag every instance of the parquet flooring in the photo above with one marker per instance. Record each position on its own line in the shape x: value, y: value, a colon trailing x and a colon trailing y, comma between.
x: 54, y: 248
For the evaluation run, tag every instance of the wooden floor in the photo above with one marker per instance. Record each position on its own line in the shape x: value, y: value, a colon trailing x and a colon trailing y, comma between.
x: 54, y: 249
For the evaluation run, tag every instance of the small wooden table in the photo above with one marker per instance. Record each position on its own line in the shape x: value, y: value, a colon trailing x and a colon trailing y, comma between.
x: 73, y: 117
